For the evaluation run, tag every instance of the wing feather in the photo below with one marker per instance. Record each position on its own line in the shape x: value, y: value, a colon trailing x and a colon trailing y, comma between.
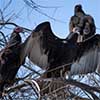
x: 86, y: 64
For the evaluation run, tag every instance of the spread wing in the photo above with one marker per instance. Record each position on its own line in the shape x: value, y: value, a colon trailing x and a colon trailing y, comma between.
x: 41, y: 43
x: 88, y: 58
x: 44, y: 49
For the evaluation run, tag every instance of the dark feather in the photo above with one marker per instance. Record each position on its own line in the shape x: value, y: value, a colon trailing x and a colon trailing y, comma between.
x: 84, y: 23
x: 58, y: 51
x: 49, y: 52
x: 10, y: 60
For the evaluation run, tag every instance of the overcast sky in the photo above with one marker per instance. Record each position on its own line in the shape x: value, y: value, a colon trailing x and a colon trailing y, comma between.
x: 61, y: 10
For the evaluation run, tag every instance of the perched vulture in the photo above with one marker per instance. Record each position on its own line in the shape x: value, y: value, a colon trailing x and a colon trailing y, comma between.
x: 10, y: 59
x: 46, y: 50
x: 51, y: 53
x: 82, y: 23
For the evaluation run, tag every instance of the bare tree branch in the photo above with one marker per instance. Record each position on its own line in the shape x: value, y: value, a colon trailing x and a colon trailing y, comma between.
x: 4, y: 37
x: 32, y: 70
x: 7, y: 5
x: 87, y: 88
x: 11, y: 23
x: 37, y: 8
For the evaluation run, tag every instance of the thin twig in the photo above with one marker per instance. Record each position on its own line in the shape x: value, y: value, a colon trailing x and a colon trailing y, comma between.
x: 11, y: 23
x: 32, y: 70
x: 83, y: 86
x: 4, y: 37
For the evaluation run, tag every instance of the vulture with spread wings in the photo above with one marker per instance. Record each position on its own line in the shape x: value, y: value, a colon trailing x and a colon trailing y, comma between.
x: 51, y: 53
x: 10, y: 59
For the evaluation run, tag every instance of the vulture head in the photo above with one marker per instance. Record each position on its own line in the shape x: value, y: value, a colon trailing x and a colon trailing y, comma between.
x: 18, y: 29
x: 78, y: 9
x: 15, y: 38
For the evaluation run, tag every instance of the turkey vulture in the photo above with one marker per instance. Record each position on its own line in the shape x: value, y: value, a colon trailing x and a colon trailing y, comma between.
x: 82, y: 23
x: 49, y: 52
x: 10, y: 59
x: 46, y: 50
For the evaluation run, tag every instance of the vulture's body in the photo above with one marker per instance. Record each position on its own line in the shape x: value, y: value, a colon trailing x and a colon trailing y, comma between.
x: 82, y: 23
x: 10, y: 59
x: 46, y: 50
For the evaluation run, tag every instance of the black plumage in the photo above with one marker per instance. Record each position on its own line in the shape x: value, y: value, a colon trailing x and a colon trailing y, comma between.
x: 10, y: 59
x: 49, y: 52
x: 82, y: 23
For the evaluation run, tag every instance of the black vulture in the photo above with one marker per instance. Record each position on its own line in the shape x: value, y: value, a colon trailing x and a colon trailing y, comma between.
x: 10, y: 59
x: 49, y: 52
x: 82, y: 23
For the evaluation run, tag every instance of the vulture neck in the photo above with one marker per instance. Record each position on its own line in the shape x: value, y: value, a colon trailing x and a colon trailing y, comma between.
x: 79, y: 14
